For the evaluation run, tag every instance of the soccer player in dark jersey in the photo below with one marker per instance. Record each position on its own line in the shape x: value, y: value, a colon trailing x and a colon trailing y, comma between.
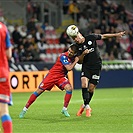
x: 91, y: 65
x: 57, y: 76
x: 5, y: 54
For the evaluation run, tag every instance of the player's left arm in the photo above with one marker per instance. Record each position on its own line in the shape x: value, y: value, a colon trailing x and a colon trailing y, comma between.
x: 70, y: 66
x: 119, y: 34
x: 8, y: 46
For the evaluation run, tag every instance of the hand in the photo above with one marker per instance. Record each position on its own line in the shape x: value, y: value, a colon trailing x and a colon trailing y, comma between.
x: 88, y: 51
x: 120, y: 34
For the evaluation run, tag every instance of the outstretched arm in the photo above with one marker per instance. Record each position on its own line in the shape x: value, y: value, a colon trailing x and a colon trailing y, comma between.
x: 119, y: 34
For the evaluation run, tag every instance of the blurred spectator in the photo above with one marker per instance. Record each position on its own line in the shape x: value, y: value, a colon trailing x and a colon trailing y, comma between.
x: 109, y: 45
x: 65, y: 6
x: 42, y: 45
x: 120, y: 7
x: 29, y: 10
x: 32, y: 54
x: 37, y: 10
x: 126, y: 56
x: 74, y: 10
x: 131, y: 24
x: 102, y: 26
x: 105, y: 10
x: 22, y: 53
x: 23, y: 31
x: 28, y: 42
x: 130, y: 49
x: 83, y: 24
x: 16, y: 55
x: 17, y: 38
x: 31, y: 24
x: 91, y: 9
x: 122, y: 26
x: 64, y: 38
x: 39, y: 33
x: 130, y: 33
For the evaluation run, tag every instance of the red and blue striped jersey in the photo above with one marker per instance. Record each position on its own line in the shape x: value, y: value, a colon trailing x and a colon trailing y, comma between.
x: 59, y: 67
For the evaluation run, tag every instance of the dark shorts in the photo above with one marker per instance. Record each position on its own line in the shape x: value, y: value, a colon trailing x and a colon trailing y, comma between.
x: 92, y: 74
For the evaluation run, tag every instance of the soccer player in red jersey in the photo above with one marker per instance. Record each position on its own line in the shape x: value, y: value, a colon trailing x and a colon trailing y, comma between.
x: 5, y: 54
x: 57, y: 76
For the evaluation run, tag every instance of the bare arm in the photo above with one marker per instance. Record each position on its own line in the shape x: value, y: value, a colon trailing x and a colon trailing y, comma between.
x: 9, y: 53
x: 81, y: 57
x: 71, y: 66
x: 119, y: 34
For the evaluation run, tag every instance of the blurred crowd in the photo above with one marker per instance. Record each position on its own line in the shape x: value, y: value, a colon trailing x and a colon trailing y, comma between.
x: 37, y: 41
x: 104, y: 16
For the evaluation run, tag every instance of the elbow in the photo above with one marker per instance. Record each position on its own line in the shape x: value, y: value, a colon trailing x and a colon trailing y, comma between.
x: 69, y: 69
x: 80, y: 62
x: 9, y: 57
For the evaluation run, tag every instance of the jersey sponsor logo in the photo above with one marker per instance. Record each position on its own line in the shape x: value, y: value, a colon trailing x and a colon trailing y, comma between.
x: 85, y: 47
x: 89, y: 42
x: 42, y: 84
x: 82, y: 73
x: 91, y: 49
x: 65, y: 61
x: 95, y: 77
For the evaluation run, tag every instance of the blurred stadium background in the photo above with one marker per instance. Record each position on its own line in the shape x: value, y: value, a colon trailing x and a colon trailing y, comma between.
x: 37, y: 30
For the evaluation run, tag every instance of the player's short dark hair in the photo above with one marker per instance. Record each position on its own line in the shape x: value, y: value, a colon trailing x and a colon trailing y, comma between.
x: 74, y: 47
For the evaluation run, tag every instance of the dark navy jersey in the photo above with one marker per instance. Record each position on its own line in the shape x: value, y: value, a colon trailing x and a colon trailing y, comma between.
x: 92, y: 59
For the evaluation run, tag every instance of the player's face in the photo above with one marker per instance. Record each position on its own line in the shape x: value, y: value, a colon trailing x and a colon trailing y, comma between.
x: 79, y: 38
x: 71, y: 53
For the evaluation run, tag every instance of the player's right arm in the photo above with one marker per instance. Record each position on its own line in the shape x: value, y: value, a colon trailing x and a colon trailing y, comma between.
x: 69, y: 67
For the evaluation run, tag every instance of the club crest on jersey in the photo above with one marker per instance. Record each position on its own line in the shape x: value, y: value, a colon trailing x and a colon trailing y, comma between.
x: 66, y: 61
x: 41, y: 84
x: 89, y: 42
x: 95, y: 77
x: 85, y: 47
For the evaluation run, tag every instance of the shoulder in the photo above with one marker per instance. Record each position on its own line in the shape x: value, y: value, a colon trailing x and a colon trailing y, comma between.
x: 3, y: 26
x: 63, y: 55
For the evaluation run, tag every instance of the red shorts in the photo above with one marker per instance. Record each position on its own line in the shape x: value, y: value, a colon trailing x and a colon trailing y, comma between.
x: 50, y: 80
x: 4, y: 90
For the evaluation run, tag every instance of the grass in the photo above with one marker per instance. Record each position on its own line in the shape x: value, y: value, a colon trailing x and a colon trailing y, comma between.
x: 111, y: 113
